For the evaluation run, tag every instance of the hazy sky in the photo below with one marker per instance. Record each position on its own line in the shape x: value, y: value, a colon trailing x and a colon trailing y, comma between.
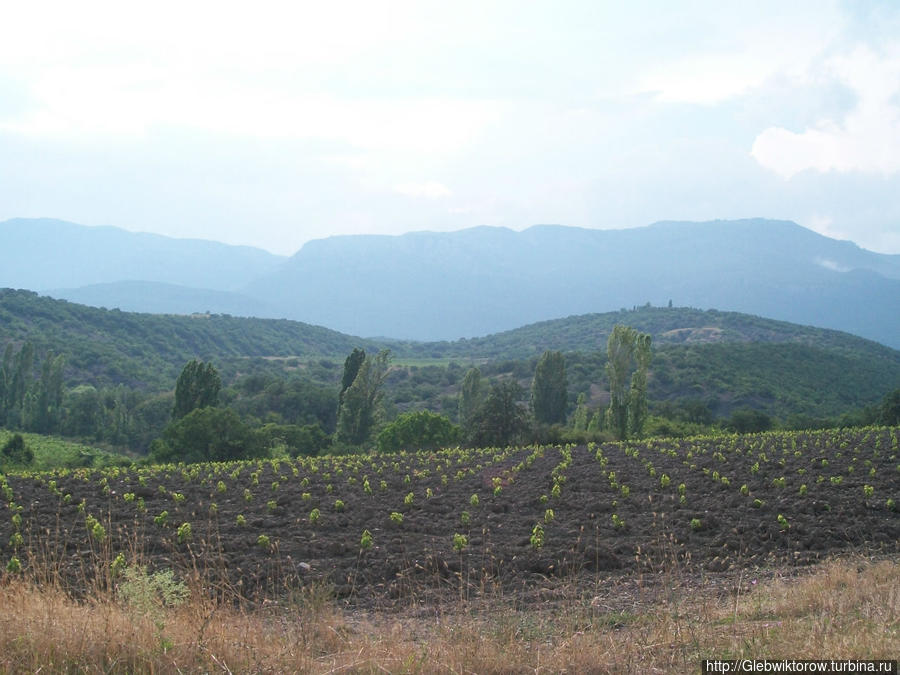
x: 272, y: 123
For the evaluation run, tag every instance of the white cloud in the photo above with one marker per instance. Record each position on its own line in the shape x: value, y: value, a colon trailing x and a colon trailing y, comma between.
x: 429, y: 189
x: 764, y: 42
x: 868, y: 139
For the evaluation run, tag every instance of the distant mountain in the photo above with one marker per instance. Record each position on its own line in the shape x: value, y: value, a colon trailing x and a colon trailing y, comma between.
x: 434, y: 286
x: 474, y: 282
x: 44, y: 254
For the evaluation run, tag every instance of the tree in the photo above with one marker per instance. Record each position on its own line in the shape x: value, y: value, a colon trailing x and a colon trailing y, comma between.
x: 45, y: 413
x: 580, y: 418
x: 352, y: 364
x: 197, y: 387
x: 360, y: 402
x: 628, y: 353
x: 16, y: 451
x: 15, y: 375
x: 549, y: 395
x: 419, y: 430
x: 889, y: 412
x: 637, y: 395
x: 748, y: 421
x: 207, y: 435
x: 471, y: 398
x: 501, y: 420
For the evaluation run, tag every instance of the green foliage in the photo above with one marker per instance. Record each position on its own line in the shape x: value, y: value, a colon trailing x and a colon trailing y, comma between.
x: 207, y: 435
x: 365, y: 542
x: 197, y: 387
x: 150, y: 594
x: 549, y: 395
x: 501, y: 420
x: 471, y: 398
x: 264, y: 542
x: 183, y: 534
x: 15, y: 451
x: 308, y: 440
x: 360, y: 402
x: 696, y: 524
x: 747, y: 420
x: 889, y: 411
x: 628, y: 353
x: 419, y: 430
x: 460, y: 541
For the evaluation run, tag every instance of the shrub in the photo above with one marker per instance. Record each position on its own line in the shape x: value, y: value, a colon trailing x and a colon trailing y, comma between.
x: 696, y: 524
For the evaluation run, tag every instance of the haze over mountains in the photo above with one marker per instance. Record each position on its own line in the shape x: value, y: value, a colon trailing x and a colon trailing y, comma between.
x: 442, y: 286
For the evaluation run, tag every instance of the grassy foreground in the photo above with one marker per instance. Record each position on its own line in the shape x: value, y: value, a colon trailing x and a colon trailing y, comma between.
x: 846, y: 608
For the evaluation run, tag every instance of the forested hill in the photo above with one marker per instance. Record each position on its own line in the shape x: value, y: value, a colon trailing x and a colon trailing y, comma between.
x: 667, y: 326
x: 147, y: 351
x: 725, y: 358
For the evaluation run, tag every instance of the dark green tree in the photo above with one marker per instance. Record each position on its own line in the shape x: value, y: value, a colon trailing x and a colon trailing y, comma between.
x: 889, y: 412
x: 44, y: 415
x: 549, y: 395
x: 502, y: 420
x: 471, y: 398
x: 352, y: 364
x: 748, y: 420
x: 15, y: 450
x: 307, y: 440
x: 361, y: 401
x: 197, y: 387
x: 207, y: 435
x: 15, y: 376
x: 418, y: 430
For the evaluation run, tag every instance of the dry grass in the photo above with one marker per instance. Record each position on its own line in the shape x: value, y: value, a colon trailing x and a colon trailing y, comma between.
x: 844, y: 609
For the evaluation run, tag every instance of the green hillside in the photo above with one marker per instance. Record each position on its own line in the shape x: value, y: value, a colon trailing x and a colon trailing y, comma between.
x: 668, y: 326
x: 721, y: 360
x: 147, y: 351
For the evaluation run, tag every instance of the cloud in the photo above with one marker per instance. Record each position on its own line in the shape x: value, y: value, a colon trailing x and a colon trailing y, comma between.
x: 867, y: 140
x: 765, y: 41
x: 428, y: 190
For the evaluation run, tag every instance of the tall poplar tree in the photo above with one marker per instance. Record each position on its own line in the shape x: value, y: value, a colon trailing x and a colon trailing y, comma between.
x: 627, y: 353
x: 197, y: 387
x: 359, y: 407
x: 549, y: 395
x: 471, y: 398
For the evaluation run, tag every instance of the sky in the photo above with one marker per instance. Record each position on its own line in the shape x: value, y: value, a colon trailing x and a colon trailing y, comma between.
x: 273, y: 123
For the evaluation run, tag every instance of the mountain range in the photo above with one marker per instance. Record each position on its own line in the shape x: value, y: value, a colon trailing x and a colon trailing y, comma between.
x: 474, y: 282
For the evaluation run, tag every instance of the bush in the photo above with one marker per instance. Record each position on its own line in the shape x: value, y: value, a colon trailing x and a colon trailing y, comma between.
x: 419, y: 430
x: 207, y: 435
x: 15, y: 450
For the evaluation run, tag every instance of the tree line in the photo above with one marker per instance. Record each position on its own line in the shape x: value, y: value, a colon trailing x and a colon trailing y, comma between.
x: 261, y: 415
